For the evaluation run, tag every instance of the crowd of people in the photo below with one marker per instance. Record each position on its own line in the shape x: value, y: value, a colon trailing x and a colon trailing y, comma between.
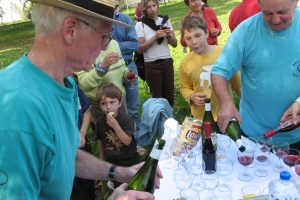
x: 80, y: 72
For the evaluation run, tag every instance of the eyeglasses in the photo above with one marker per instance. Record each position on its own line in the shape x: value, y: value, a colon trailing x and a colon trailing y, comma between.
x: 105, y: 38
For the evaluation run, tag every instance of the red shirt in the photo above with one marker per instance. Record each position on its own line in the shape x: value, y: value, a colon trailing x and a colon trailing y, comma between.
x: 212, y: 22
x: 244, y: 10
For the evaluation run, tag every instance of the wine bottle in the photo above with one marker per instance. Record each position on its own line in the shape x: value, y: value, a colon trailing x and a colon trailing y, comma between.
x: 233, y: 130
x: 208, y: 117
x: 284, y: 126
x: 208, y: 151
x: 144, y: 179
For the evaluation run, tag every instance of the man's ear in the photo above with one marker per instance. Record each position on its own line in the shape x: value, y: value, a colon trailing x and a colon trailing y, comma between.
x: 70, y: 29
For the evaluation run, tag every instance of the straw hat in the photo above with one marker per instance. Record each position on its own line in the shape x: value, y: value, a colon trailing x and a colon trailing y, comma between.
x: 102, y: 9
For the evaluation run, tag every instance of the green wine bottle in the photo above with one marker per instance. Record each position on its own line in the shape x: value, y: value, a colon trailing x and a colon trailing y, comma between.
x: 144, y: 179
x: 233, y: 130
x: 208, y: 117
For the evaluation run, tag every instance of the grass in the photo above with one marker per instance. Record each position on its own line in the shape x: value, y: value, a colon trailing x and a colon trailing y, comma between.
x: 16, y: 41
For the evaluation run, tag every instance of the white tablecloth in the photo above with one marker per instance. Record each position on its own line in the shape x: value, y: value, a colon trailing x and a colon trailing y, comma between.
x: 168, y: 191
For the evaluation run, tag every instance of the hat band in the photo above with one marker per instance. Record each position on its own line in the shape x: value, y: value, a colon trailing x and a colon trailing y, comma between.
x: 95, y: 7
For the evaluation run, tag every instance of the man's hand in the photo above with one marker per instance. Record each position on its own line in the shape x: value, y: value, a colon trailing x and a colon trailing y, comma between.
x: 226, y: 112
x: 293, y: 111
x: 120, y: 193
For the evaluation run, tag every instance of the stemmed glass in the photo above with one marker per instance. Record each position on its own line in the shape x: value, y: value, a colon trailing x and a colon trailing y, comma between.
x: 279, y: 149
x: 170, y: 162
x: 262, y: 155
x: 297, y: 167
x: 182, y: 179
x: 250, y: 144
x: 130, y: 77
x: 245, y: 158
x: 211, y: 180
x: 196, y: 169
x: 224, y: 167
x: 249, y: 191
x: 223, y: 142
x: 291, y: 157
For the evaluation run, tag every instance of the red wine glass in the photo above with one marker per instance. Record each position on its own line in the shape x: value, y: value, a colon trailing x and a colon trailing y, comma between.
x: 250, y: 144
x: 245, y: 158
x: 280, y: 149
x: 291, y: 157
x: 297, y: 167
x: 130, y: 77
x: 262, y: 155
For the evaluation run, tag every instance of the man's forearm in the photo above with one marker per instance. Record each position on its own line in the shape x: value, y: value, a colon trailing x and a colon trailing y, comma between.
x: 220, y: 86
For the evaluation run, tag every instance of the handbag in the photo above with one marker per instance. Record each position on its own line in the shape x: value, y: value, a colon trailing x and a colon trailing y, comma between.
x: 139, y: 62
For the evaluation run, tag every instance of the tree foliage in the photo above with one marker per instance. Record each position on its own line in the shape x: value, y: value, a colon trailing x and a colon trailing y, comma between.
x: 1, y: 12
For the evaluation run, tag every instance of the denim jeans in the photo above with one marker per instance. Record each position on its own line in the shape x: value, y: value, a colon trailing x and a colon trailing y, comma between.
x: 132, y: 98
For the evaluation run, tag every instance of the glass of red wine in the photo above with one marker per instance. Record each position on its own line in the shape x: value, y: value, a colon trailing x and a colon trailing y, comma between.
x: 245, y: 158
x: 291, y: 157
x: 130, y: 77
x: 262, y: 155
x: 297, y: 167
x: 280, y: 149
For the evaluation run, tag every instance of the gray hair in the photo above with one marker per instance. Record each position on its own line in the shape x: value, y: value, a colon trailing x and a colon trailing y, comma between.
x: 47, y: 18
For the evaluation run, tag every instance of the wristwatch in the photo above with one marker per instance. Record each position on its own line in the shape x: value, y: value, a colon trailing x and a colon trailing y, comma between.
x: 100, y: 68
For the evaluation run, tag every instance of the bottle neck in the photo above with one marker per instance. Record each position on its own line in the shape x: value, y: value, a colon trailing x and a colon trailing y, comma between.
x: 207, y: 107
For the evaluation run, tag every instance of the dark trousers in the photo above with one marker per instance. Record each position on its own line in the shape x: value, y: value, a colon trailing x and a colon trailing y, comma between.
x: 160, y: 78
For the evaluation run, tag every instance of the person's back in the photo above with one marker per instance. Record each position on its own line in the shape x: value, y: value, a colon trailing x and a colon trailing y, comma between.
x: 244, y: 10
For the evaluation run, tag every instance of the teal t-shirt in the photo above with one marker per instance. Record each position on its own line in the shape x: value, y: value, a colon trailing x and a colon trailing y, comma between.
x: 38, y: 133
x: 270, y: 73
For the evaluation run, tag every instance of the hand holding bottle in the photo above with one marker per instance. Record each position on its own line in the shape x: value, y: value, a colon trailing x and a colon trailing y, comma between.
x: 226, y: 112
x: 120, y: 193
x: 293, y: 111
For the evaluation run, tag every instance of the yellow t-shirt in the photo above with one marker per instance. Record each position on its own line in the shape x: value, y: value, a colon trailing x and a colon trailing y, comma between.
x: 194, y: 76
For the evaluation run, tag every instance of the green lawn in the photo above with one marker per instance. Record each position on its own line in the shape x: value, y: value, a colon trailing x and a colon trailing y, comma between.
x: 16, y: 41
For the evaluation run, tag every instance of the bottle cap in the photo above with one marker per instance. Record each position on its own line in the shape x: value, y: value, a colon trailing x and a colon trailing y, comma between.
x: 284, y: 175
x: 207, y: 129
x: 269, y: 133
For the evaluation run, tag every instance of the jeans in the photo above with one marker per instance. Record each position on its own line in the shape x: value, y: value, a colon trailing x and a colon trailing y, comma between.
x: 132, y: 98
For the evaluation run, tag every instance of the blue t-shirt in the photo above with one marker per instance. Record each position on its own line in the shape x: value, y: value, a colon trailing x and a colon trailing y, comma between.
x: 270, y: 73
x: 39, y: 136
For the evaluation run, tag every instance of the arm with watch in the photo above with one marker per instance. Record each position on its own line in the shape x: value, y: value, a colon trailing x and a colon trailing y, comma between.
x: 90, y: 167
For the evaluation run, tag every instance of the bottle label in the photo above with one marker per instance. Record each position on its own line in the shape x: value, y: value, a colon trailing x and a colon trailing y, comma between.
x: 214, y: 138
x: 207, y: 107
x: 155, y: 153
x: 239, y: 143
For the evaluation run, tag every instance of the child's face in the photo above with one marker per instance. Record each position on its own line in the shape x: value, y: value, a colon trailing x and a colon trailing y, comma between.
x: 110, y: 105
x: 196, y: 39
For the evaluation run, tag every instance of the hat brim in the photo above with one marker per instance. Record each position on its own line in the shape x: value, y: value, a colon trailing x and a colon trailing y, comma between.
x: 72, y: 7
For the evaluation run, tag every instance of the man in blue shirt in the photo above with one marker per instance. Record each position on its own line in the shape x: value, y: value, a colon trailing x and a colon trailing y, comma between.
x: 128, y: 41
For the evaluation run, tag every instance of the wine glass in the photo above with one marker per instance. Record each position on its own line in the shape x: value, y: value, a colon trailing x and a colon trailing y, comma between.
x: 249, y: 191
x: 265, y: 143
x: 279, y: 149
x: 297, y: 167
x: 250, y: 144
x: 245, y: 158
x: 130, y: 77
x: 183, y: 180
x: 291, y: 157
x: 170, y: 162
x: 196, y: 169
x: 223, y: 142
x: 190, y: 194
x: 211, y: 180
x: 224, y: 167
x: 262, y: 155
x: 222, y: 193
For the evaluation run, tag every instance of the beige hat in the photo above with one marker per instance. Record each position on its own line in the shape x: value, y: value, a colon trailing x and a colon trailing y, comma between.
x: 102, y: 9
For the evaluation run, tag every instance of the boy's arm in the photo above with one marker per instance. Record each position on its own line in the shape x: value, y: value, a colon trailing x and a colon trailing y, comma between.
x: 85, y: 122
x: 100, y: 146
